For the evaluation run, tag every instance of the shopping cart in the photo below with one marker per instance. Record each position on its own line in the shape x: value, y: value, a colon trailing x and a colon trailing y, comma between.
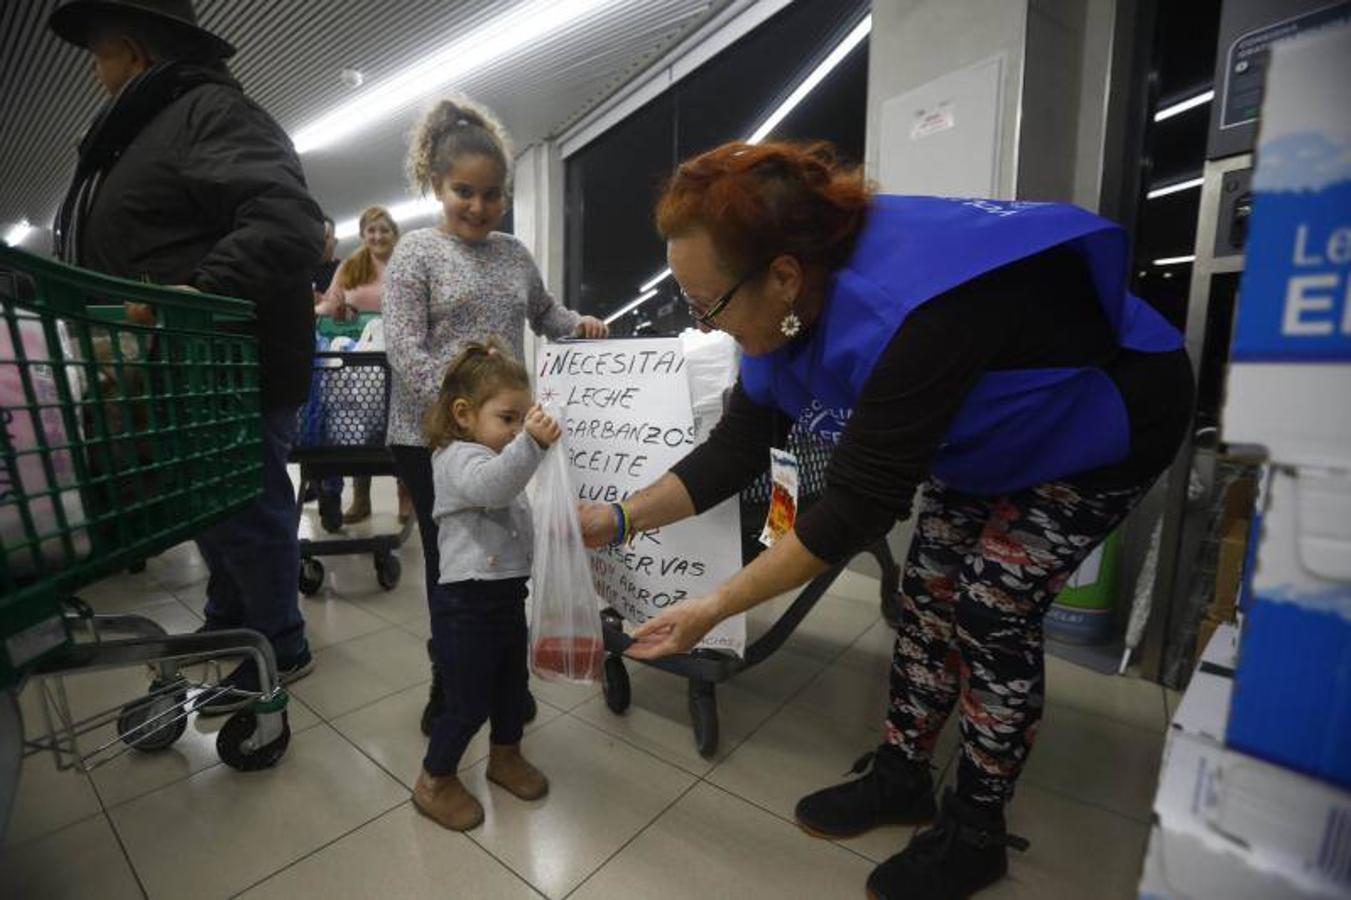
x: 121, y: 439
x: 342, y: 433
x: 706, y: 668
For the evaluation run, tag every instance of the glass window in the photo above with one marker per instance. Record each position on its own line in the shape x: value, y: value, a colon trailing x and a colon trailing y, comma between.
x: 612, y: 184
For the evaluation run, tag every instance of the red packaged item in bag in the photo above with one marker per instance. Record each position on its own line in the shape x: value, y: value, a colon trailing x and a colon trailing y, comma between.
x: 566, y: 642
x: 570, y: 658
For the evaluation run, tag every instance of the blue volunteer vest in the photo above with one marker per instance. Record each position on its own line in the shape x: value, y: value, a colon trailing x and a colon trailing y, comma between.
x: 1017, y: 427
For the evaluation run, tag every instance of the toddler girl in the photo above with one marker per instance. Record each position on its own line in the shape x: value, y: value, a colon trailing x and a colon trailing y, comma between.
x: 487, y: 439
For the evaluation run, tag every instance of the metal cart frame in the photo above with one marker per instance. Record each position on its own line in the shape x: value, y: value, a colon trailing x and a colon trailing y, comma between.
x: 332, y: 454
x: 150, y: 430
x: 706, y: 668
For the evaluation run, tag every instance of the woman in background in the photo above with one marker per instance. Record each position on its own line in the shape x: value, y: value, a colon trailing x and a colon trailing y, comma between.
x: 358, y: 286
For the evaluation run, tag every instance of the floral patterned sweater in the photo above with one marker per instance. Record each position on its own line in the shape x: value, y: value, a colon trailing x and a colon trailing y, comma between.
x: 442, y: 291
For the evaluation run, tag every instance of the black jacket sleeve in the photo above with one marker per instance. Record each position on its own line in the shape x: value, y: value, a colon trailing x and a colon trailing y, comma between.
x: 1034, y: 313
x: 239, y: 163
x: 902, y: 414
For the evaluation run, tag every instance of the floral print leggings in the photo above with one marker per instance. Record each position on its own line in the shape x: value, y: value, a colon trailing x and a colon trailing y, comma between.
x: 980, y: 576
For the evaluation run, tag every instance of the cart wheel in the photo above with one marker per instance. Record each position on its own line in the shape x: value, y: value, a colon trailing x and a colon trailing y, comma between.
x: 387, y: 570
x: 234, y: 743
x: 330, y: 512
x: 704, y: 717
x: 159, y: 706
x: 614, y: 683
x: 311, y: 576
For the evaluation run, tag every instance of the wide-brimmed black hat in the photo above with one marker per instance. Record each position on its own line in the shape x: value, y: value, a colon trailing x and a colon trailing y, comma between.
x: 71, y: 20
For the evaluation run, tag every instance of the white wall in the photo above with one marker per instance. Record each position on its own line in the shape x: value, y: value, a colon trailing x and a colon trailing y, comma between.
x: 537, y: 207
x: 1064, y: 100
x: 1095, y: 84
x: 1057, y: 61
x: 916, y: 41
x: 1048, y: 132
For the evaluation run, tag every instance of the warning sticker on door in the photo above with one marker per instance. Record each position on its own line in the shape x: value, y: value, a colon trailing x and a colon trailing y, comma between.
x: 932, y: 121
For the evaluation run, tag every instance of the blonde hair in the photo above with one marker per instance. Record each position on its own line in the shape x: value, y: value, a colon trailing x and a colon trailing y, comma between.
x: 359, y: 268
x: 478, y: 373
x: 453, y: 129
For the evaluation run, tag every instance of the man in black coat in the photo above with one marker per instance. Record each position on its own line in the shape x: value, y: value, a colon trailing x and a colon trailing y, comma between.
x: 183, y: 180
x: 328, y: 263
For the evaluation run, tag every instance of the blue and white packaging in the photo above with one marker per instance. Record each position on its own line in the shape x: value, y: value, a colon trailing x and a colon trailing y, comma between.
x: 1291, y: 701
x: 1230, y: 826
x: 1289, y: 389
x: 1289, y: 385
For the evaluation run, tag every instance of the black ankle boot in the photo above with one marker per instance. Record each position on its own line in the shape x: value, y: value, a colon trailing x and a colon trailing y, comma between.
x: 964, y: 851
x: 894, y: 791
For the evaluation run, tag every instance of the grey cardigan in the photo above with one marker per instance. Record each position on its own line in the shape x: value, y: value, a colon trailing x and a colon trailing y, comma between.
x: 483, y: 520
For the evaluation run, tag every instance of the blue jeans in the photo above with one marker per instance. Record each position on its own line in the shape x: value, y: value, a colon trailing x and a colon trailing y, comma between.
x: 479, y: 640
x: 254, y: 558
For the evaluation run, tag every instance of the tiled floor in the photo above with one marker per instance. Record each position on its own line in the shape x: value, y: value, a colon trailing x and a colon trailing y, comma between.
x: 634, y: 811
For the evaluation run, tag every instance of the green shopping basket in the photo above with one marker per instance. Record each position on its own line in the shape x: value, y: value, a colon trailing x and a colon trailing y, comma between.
x: 330, y: 327
x: 120, y: 437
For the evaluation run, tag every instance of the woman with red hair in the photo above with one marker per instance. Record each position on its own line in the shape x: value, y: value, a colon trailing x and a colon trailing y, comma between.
x: 985, y: 351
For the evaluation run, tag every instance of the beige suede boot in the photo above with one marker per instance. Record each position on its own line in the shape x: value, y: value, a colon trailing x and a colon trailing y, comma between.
x: 360, y: 510
x: 447, y: 802
x: 508, y: 768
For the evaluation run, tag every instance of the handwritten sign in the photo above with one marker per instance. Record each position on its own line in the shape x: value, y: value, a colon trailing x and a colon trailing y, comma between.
x: 628, y: 419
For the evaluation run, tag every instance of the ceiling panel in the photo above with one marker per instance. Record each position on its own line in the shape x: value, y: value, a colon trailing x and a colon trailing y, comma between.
x: 290, y: 54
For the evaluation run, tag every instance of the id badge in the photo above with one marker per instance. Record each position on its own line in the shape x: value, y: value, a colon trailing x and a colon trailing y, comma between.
x: 782, y: 496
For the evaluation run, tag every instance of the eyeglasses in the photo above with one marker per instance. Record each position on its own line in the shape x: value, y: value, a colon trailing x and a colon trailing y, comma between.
x: 706, y: 317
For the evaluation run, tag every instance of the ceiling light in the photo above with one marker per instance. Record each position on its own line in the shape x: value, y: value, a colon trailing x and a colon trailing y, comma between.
x: 1182, y: 106
x: 504, y: 35
x: 1174, y: 260
x: 852, y: 40
x: 17, y: 232
x: 837, y: 56
x: 408, y: 211
x: 1174, y: 188
x: 632, y: 305
x: 655, y: 280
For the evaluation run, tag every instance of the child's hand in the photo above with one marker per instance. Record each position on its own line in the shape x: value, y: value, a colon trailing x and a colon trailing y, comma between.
x: 542, y: 427
x: 591, y: 327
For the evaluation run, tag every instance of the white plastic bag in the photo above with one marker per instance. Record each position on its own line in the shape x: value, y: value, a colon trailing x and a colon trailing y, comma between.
x: 711, y: 361
x: 22, y: 471
x: 566, y: 643
x: 372, y: 338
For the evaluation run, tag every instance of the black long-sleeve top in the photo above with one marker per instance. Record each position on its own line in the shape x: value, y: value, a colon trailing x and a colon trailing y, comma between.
x: 1035, y: 313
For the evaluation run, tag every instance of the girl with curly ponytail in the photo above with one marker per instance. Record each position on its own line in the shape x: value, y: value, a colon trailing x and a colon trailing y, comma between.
x: 458, y: 283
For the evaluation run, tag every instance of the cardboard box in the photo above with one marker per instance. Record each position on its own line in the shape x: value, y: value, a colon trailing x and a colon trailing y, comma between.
x: 1181, y: 866
x: 1229, y: 567
x: 1290, y: 365
x: 1292, y: 689
x: 1289, y: 389
x: 1232, y: 826
x: 1204, y: 708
